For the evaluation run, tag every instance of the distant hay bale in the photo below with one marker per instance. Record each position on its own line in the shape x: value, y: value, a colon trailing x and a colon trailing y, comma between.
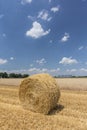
x: 39, y: 93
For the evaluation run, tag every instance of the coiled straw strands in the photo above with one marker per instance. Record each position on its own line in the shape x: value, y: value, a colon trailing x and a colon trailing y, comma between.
x: 39, y: 93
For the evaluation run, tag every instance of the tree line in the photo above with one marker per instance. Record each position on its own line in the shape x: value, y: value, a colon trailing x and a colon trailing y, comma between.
x: 12, y: 75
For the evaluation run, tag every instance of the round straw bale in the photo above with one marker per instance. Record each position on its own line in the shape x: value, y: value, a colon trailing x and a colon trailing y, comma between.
x: 39, y: 93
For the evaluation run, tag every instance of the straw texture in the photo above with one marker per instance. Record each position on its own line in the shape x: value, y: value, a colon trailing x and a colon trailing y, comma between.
x: 39, y: 93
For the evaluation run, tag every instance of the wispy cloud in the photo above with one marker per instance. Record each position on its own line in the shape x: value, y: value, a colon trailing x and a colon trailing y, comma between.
x: 26, y: 2
x: 84, y: 0
x: 11, y: 58
x: 55, y: 9
x: 68, y: 61
x: 41, y: 61
x: 43, y: 70
x: 31, y: 17
x: 50, y: 1
x: 34, y: 70
x: 3, y: 61
x: 83, y: 69
x: 4, y: 35
x: 51, y: 41
x: 54, y: 70
x: 1, y: 16
x: 80, y: 48
x: 65, y: 38
x: 37, y: 70
x: 71, y: 70
x: 37, y: 31
x: 31, y: 65
x: 44, y: 15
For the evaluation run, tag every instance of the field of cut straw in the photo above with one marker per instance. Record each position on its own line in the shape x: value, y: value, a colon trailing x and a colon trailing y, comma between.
x: 70, y: 113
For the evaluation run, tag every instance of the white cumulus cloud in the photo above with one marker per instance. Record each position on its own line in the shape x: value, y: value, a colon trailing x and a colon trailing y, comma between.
x: 37, y: 31
x: 68, y: 61
x: 3, y: 61
x: 26, y: 1
x: 65, y: 38
x: 55, y: 9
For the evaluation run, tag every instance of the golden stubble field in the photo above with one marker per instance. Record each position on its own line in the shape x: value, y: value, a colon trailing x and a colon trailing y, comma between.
x: 70, y: 114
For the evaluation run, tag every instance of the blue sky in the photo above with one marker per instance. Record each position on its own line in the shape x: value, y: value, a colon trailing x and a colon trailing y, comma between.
x: 43, y: 36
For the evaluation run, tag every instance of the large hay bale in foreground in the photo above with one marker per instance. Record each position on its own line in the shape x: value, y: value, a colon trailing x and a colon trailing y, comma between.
x: 39, y: 93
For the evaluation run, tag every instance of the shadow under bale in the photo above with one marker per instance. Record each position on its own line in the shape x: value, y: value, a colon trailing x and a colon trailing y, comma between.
x: 56, y: 110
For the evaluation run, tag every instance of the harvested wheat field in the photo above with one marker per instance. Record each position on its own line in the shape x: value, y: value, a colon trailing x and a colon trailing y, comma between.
x: 69, y: 114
